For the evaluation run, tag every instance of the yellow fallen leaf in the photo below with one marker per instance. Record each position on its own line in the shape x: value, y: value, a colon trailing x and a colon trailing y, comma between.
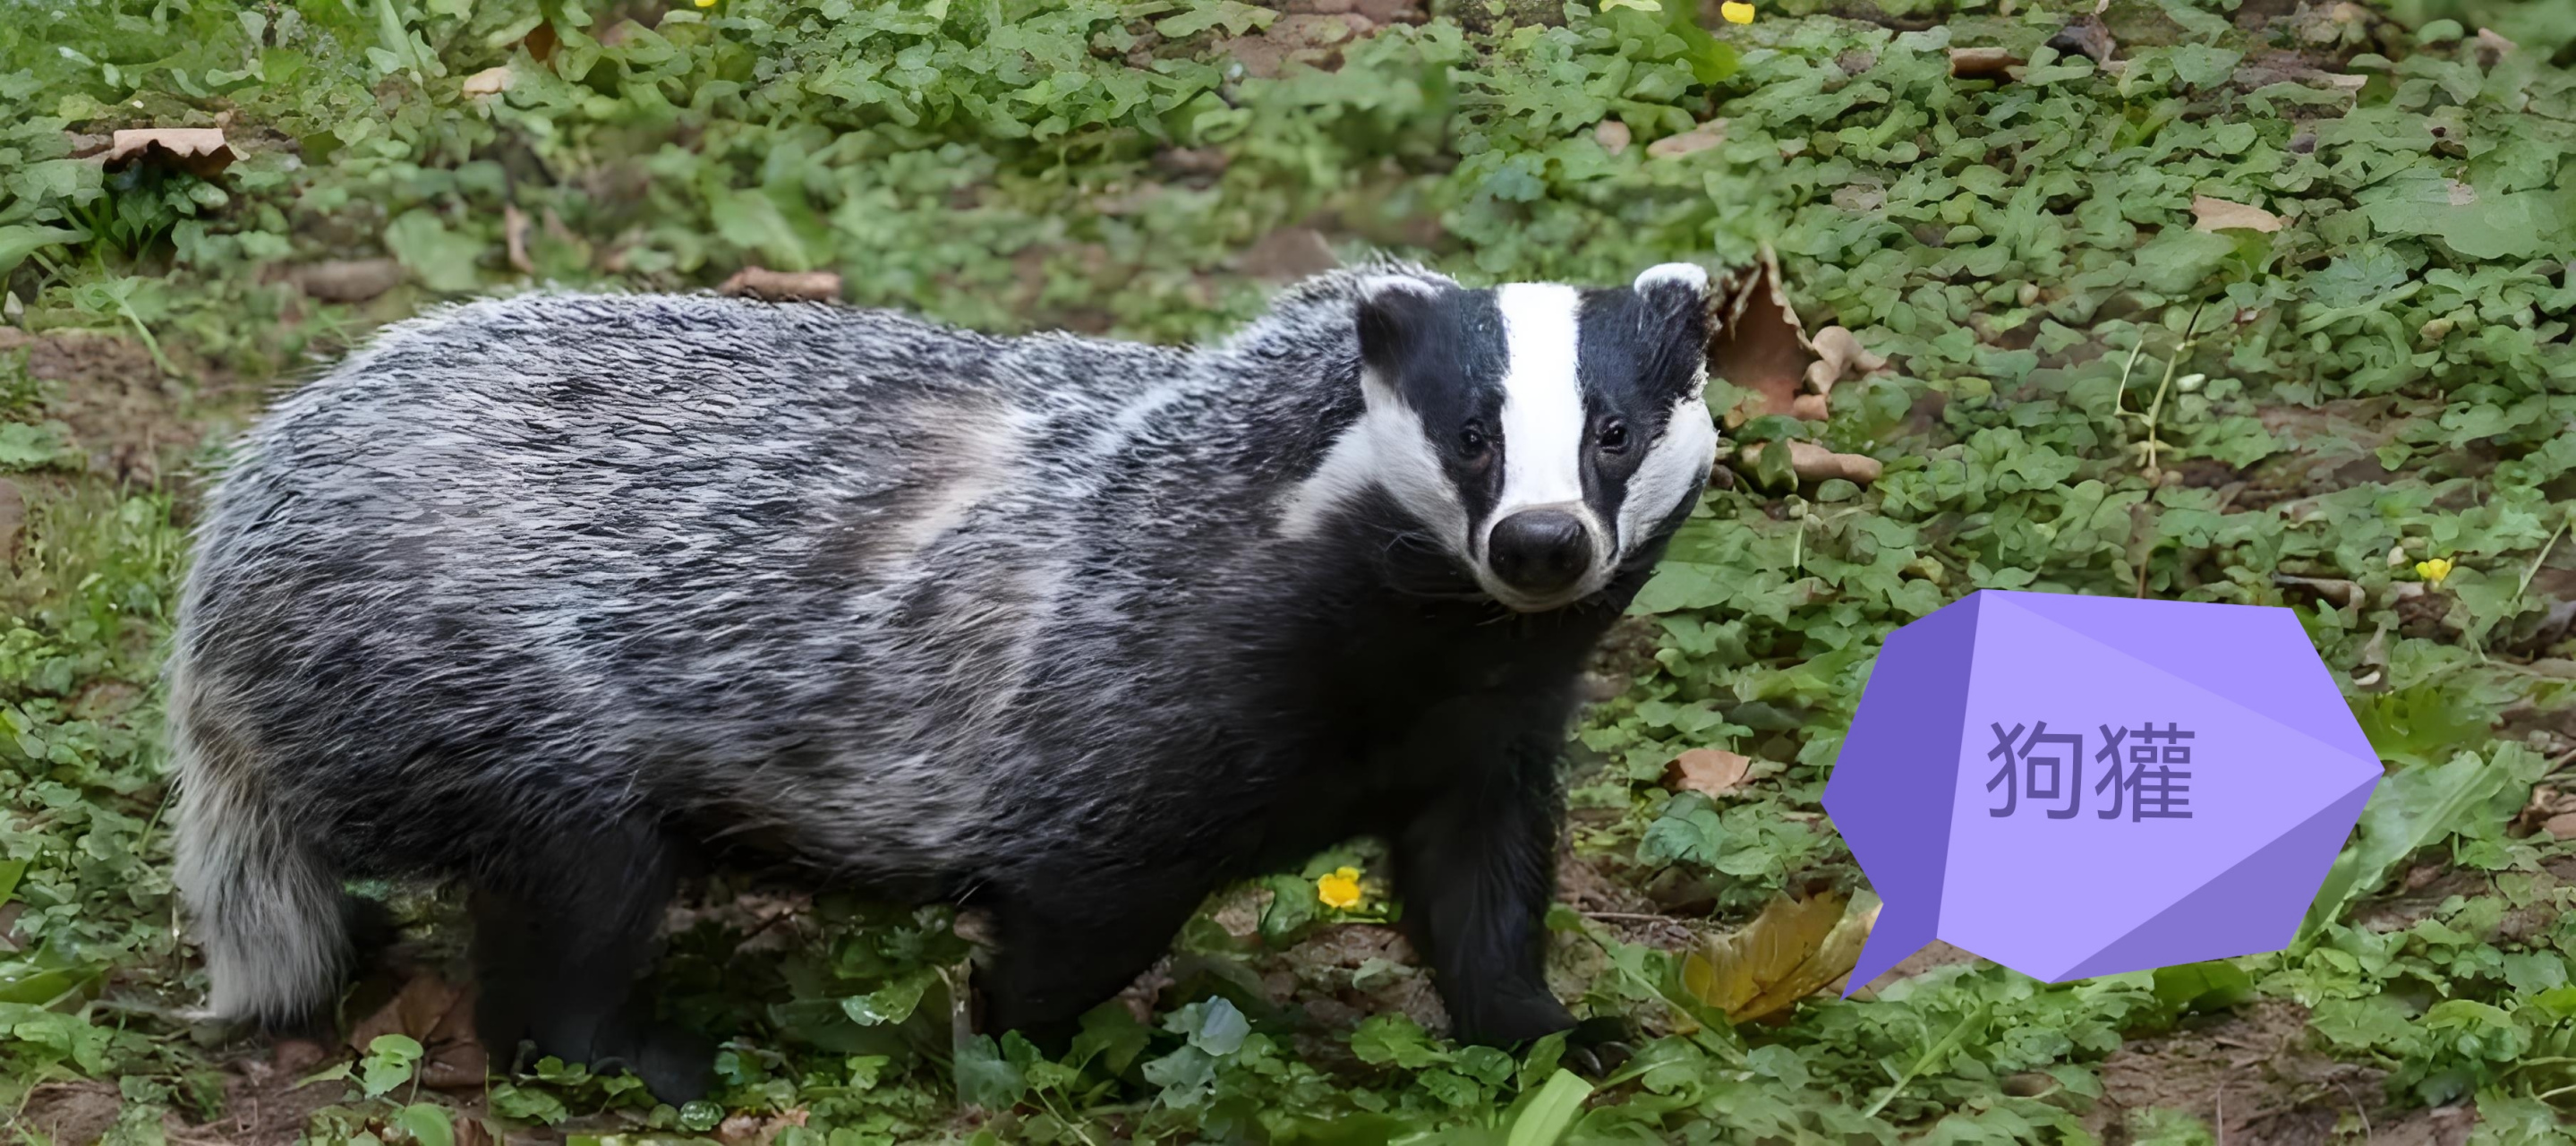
x: 2221, y: 215
x: 1736, y: 13
x: 1793, y: 949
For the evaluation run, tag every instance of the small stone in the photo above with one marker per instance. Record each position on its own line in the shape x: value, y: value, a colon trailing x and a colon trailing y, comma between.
x: 347, y: 280
x: 1612, y: 135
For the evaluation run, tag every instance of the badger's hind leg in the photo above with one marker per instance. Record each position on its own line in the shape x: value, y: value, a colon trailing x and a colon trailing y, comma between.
x: 1071, y: 943
x: 562, y: 930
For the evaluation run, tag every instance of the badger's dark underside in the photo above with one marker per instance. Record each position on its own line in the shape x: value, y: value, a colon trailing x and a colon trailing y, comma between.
x: 1388, y: 703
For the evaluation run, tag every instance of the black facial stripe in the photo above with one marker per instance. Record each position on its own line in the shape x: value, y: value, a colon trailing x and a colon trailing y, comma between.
x: 1635, y: 356
x: 1446, y: 359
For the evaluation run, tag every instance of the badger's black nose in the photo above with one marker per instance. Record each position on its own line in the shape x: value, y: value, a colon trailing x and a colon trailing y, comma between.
x: 1540, y: 551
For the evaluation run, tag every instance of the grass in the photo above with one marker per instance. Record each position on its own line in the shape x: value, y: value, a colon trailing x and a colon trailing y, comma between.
x: 2087, y: 394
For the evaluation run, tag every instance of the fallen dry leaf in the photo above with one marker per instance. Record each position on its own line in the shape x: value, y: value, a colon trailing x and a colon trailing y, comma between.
x: 1838, y: 352
x: 514, y: 235
x: 2548, y: 810
x: 776, y: 286
x: 1613, y: 136
x: 2345, y: 594
x: 488, y: 82
x: 1707, y: 771
x: 440, y: 1016
x: 1812, y: 462
x: 1701, y: 138
x: 1790, y: 951
x: 1981, y: 63
x: 755, y: 1130
x: 2220, y: 215
x: 200, y: 151
x: 1756, y: 341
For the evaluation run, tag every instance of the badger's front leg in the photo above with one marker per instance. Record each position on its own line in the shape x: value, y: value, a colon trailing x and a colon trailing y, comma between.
x: 1477, y: 869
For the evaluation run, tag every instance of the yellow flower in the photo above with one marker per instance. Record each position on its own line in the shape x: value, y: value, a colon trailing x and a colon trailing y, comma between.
x: 2434, y: 570
x: 706, y: 3
x: 1736, y: 13
x: 1340, y: 890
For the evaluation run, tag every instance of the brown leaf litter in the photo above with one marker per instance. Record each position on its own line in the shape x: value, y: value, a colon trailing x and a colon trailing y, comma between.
x: 1759, y: 344
x: 783, y: 286
x: 200, y: 151
x: 440, y: 1016
x: 1707, y: 771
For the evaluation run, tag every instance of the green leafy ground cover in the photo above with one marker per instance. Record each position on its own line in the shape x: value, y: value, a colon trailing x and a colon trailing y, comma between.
x: 2088, y: 394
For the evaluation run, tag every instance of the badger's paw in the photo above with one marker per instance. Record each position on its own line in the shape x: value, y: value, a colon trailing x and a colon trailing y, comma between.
x: 678, y: 1067
x: 1598, y: 1046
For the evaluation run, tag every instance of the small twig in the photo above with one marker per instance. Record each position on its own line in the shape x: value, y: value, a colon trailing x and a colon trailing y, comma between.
x: 2366, y: 1134
x: 1634, y: 916
x: 2534, y: 570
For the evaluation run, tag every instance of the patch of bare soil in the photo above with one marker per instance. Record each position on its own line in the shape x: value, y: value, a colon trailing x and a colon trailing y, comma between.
x: 2253, y: 1077
x: 263, y: 1103
x: 69, y: 1113
x: 1314, y: 33
x: 123, y: 413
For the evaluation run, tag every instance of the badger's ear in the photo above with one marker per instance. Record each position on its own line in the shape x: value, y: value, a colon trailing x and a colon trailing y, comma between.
x: 1673, y: 308
x: 1393, y: 313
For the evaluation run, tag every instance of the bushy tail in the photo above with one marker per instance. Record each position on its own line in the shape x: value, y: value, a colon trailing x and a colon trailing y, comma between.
x: 268, y: 911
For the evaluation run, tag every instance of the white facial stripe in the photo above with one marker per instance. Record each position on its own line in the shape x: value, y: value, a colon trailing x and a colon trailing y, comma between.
x: 1674, y: 466
x: 1542, y: 400
x: 1387, y: 449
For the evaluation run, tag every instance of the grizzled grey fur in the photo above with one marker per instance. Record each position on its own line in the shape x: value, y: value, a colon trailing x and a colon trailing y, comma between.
x: 549, y: 594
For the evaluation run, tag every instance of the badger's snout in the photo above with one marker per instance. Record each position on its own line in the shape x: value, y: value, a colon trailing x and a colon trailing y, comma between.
x: 1540, y: 553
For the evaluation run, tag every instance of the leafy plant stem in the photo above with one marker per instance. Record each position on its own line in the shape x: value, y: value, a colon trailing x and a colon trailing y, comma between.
x: 1930, y: 1055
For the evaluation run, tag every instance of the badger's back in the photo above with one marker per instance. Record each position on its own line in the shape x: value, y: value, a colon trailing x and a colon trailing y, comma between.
x: 726, y: 555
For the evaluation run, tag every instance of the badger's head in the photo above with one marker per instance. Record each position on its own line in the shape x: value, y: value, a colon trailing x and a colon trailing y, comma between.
x: 1545, y: 435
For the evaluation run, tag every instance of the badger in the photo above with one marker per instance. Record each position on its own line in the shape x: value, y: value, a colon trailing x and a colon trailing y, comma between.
x: 549, y: 596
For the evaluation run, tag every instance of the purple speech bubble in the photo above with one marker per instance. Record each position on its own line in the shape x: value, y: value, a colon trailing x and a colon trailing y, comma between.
x: 2079, y: 786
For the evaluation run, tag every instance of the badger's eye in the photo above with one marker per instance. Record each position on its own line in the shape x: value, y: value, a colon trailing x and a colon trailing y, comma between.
x: 1471, y: 441
x: 1612, y: 436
